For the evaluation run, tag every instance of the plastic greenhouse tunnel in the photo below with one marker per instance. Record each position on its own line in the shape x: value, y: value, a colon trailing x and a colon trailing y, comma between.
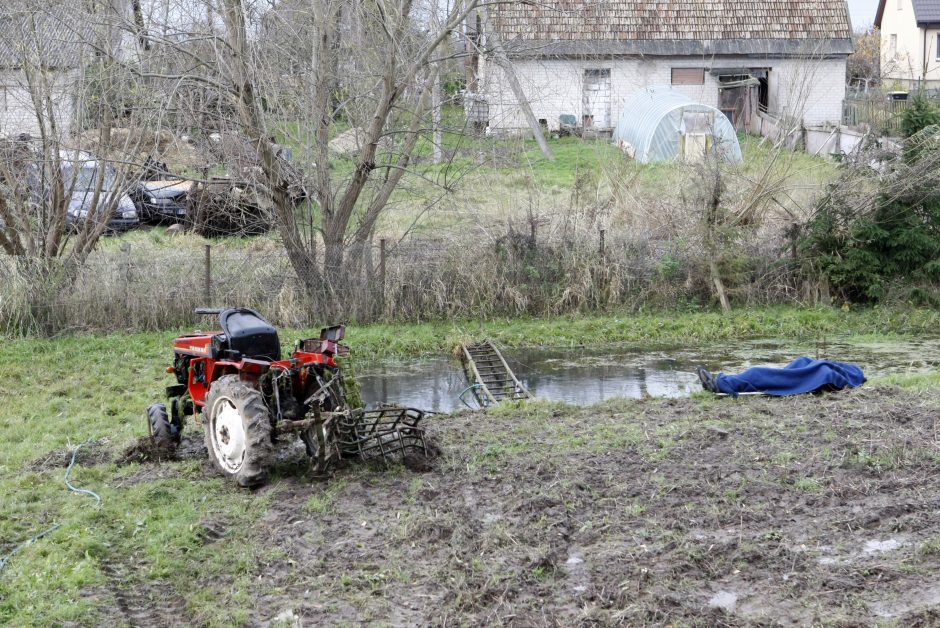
x: 664, y: 124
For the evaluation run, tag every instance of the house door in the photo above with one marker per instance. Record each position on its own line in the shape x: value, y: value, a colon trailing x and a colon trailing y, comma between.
x: 596, y: 99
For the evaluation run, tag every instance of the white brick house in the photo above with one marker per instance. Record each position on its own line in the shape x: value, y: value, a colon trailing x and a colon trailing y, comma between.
x: 44, y: 50
x: 17, y: 112
x: 586, y: 59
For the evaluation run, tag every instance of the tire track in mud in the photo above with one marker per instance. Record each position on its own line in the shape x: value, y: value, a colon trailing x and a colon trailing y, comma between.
x: 143, y: 605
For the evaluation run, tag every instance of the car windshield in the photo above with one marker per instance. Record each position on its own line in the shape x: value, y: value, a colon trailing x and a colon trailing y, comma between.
x: 86, y: 177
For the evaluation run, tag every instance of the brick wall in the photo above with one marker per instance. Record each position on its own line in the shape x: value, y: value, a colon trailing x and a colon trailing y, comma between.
x: 17, y: 112
x: 809, y: 89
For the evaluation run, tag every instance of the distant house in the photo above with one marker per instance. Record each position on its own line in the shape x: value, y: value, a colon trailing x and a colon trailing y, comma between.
x: 584, y: 59
x: 910, y: 43
x: 44, y: 50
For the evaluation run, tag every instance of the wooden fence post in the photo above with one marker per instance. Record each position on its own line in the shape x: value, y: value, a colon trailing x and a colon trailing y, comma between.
x: 600, y: 246
x: 126, y: 249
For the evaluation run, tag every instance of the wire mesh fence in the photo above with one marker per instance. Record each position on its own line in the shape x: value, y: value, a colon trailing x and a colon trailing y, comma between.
x: 416, y: 279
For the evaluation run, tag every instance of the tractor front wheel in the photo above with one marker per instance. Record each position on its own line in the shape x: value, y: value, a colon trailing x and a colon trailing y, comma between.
x: 161, y: 430
x: 238, y: 430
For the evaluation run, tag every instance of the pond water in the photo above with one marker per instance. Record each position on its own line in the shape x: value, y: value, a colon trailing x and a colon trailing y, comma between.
x: 583, y: 376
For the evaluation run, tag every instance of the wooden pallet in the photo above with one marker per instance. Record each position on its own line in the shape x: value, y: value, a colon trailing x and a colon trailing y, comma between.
x: 491, y: 377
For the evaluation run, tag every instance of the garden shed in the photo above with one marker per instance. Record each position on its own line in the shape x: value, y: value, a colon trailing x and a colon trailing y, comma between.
x: 664, y: 124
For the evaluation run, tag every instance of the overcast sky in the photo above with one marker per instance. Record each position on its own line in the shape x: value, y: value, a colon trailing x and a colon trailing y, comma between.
x: 863, y: 12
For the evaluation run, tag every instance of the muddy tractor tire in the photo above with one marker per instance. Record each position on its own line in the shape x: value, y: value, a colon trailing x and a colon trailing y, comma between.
x: 238, y: 431
x: 160, y: 428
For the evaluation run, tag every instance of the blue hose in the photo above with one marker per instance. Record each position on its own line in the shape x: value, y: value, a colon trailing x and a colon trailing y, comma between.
x: 79, y: 490
x: 6, y: 559
x: 464, y: 392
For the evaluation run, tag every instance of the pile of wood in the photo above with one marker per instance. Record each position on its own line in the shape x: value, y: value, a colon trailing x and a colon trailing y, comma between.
x: 223, y: 207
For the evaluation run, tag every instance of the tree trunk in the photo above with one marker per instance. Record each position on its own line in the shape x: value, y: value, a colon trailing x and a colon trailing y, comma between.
x: 438, y: 155
x: 437, y: 138
x: 499, y: 56
x: 719, y: 286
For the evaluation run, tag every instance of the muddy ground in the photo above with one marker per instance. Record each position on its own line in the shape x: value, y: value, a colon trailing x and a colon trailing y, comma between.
x: 703, y: 511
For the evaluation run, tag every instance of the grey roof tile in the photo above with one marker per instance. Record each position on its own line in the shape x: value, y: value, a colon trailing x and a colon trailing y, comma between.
x: 671, y: 26
x: 927, y: 11
x: 52, y: 35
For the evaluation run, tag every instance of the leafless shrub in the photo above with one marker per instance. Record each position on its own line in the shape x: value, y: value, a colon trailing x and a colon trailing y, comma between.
x: 152, y: 286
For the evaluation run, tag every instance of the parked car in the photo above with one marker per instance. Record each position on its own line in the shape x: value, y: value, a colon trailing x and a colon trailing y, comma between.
x: 80, y: 177
x: 160, y: 196
x: 162, y: 201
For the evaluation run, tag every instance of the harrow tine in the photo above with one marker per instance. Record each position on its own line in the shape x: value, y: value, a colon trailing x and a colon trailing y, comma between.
x: 390, y: 432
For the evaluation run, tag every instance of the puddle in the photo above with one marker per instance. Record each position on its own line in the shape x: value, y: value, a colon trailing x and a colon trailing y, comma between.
x: 877, y: 547
x: 725, y: 600
x: 586, y: 376
x: 578, y: 577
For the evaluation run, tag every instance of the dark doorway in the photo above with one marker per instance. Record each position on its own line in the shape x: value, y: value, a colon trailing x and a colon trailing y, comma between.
x: 763, y: 94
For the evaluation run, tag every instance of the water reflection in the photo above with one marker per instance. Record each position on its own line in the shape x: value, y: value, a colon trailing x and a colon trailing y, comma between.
x: 586, y: 376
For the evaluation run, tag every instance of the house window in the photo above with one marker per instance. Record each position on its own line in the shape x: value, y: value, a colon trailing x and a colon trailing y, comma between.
x: 900, y: 4
x: 937, y: 46
x: 893, y: 46
x: 688, y: 76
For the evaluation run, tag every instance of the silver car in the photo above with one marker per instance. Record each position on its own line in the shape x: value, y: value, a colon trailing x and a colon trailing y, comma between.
x: 80, y: 173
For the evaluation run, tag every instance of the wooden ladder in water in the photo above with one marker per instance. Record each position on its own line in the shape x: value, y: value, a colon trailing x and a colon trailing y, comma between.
x: 492, y: 378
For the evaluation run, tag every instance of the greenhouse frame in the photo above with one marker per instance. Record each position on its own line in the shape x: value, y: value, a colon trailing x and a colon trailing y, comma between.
x: 664, y: 124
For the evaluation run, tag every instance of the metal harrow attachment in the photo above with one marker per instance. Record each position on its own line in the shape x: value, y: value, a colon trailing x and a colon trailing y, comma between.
x: 387, y: 434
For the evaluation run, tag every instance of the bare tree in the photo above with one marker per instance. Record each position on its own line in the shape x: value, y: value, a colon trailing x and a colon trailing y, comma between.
x: 366, y: 66
x: 56, y: 198
x: 863, y: 67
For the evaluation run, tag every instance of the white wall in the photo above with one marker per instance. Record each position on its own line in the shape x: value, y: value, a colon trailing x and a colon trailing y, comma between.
x: 809, y: 89
x: 553, y: 87
x: 17, y: 112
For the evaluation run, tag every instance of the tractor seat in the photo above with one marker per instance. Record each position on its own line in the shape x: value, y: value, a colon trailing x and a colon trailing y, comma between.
x: 249, y: 334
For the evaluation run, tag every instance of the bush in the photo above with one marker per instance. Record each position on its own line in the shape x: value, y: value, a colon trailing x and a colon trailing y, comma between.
x: 918, y: 116
x: 866, y: 245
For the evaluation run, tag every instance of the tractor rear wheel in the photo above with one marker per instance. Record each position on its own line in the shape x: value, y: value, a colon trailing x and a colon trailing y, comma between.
x: 158, y: 423
x: 238, y: 430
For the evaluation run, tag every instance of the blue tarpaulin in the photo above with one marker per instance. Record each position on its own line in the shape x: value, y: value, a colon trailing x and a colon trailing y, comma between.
x: 802, y: 375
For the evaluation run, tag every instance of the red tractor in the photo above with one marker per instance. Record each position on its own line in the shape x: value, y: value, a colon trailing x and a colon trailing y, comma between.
x: 248, y: 397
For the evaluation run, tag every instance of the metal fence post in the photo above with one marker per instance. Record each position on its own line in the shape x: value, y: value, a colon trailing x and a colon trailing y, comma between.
x: 208, y: 276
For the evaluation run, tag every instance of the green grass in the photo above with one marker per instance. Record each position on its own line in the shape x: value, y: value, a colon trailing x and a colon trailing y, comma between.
x: 916, y: 382
x: 502, y: 177
x: 58, y: 393
x: 660, y: 327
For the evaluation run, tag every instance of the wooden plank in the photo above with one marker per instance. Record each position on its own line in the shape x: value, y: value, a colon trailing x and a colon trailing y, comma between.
x: 519, y: 385
x: 476, y: 374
